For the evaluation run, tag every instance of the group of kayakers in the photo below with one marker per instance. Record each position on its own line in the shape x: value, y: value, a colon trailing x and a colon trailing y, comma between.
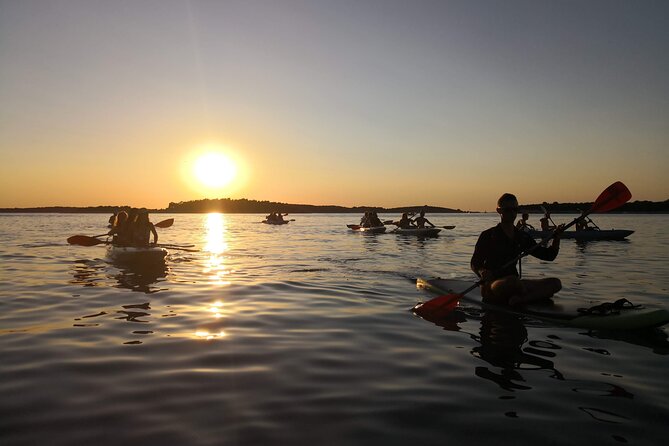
x: 547, y: 223
x: 372, y: 220
x: 275, y: 218
x: 132, y: 228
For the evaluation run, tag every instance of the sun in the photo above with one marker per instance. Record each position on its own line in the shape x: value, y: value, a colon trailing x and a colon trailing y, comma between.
x: 214, y: 170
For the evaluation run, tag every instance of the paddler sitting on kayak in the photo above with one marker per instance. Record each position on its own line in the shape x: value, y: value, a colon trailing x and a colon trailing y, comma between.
x: 523, y: 224
x: 501, y: 244
x: 120, y: 231
x: 405, y: 222
x: 142, y: 230
x: 370, y: 220
x: 421, y: 220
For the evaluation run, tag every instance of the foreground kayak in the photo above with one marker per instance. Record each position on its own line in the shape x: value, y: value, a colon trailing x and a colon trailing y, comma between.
x: 558, y: 312
x: 132, y: 254
x: 274, y: 222
x: 588, y: 234
x: 370, y: 230
x: 420, y: 232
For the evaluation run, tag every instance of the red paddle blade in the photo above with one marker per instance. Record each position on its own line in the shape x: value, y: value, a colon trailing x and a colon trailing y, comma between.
x: 83, y: 240
x: 438, y: 307
x: 613, y: 197
x: 165, y: 223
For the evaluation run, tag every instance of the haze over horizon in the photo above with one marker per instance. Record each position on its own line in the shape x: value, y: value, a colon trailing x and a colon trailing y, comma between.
x: 350, y: 103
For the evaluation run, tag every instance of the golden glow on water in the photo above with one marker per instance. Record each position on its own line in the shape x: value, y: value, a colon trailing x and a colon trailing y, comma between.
x: 208, y: 336
x: 216, y: 245
x: 216, y: 309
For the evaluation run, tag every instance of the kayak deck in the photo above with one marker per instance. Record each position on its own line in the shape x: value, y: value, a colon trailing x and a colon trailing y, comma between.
x: 563, y: 313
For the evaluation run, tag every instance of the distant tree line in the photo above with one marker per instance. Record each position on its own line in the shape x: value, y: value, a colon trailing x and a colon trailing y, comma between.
x: 572, y: 208
x: 244, y: 206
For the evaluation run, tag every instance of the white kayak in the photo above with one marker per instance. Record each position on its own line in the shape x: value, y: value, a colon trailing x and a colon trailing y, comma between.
x: 420, y: 232
x: 558, y: 311
x: 134, y: 254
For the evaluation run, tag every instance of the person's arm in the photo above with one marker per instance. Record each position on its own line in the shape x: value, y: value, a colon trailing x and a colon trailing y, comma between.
x: 155, y: 233
x: 429, y: 222
x: 478, y: 261
x: 548, y: 253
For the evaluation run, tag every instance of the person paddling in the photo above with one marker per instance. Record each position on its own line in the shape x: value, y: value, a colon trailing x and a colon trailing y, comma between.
x: 120, y: 231
x: 546, y: 222
x: 522, y: 224
x: 421, y: 220
x: 501, y: 244
x: 142, y: 230
x: 405, y: 222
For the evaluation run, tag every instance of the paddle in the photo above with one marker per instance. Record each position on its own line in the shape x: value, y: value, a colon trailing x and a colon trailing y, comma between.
x: 165, y: 223
x: 84, y: 240
x: 612, y: 197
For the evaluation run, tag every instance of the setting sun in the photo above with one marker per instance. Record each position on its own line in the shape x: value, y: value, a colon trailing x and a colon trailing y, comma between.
x: 214, y: 169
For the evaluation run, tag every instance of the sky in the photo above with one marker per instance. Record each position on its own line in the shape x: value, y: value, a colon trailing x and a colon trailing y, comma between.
x: 347, y: 102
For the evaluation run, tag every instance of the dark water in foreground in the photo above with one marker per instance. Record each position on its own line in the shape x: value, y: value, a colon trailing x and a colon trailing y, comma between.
x: 300, y: 334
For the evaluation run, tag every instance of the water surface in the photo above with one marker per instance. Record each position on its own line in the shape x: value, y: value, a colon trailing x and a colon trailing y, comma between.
x: 301, y: 334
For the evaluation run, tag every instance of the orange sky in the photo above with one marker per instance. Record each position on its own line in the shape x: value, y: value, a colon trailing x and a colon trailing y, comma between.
x: 331, y: 103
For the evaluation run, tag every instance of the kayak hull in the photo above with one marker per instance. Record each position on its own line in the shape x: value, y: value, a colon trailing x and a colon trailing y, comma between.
x: 562, y: 313
x: 133, y: 254
x: 420, y: 232
x: 282, y: 222
x: 588, y: 234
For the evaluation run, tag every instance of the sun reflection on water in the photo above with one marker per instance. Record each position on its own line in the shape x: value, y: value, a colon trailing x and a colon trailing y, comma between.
x: 217, y: 246
x: 215, y: 268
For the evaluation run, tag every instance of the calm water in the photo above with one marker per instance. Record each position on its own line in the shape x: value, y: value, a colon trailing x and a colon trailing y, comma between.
x: 301, y: 334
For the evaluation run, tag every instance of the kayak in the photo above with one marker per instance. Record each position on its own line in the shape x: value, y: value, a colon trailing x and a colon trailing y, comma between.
x: 587, y: 234
x: 133, y: 254
x: 280, y: 222
x: 558, y: 312
x: 420, y: 232
x: 369, y: 230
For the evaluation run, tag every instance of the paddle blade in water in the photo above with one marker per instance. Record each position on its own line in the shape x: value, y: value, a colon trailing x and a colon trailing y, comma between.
x: 613, y: 197
x: 438, y: 307
x: 83, y: 240
x: 165, y: 223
